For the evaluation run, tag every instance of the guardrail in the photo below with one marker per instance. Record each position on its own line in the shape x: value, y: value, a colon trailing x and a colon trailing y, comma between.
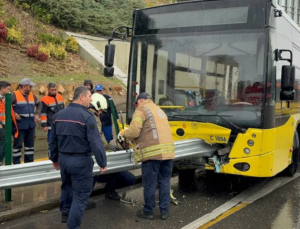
x: 42, y: 172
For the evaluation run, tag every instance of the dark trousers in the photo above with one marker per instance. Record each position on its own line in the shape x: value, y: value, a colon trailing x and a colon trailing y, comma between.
x: 153, y: 173
x: 48, y: 140
x: 2, y: 145
x: 26, y: 136
x: 116, y: 180
x: 77, y: 184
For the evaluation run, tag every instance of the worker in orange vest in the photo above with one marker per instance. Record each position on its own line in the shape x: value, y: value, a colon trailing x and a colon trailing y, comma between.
x: 4, y: 89
x: 24, y: 103
x: 52, y: 103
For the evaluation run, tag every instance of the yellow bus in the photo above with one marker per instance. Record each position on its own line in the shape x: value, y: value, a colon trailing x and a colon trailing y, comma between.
x: 224, y: 71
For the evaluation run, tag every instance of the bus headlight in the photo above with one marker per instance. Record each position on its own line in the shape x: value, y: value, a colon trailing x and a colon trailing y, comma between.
x: 247, y: 150
x: 250, y: 142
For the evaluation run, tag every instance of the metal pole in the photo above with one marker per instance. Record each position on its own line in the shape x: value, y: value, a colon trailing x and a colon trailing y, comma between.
x: 8, y: 142
x: 113, y: 112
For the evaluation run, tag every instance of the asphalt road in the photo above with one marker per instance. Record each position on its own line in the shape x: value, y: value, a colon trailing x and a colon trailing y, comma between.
x: 198, y: 197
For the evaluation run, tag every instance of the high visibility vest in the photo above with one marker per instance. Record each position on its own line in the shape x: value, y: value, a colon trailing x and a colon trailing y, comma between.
x: 2, y: 116
x: 25, y: 108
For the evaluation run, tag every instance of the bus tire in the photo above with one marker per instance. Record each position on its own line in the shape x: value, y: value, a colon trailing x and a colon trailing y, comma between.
x: 186, y: 175
x: 292, y: 168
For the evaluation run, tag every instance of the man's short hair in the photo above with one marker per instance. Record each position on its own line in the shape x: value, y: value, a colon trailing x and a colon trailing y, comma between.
x: 51, y: 85
x: 4, y: 84
x: 81, y: 90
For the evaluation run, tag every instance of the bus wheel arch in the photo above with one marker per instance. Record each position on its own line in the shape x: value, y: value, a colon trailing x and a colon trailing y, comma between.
x: 292, y: 168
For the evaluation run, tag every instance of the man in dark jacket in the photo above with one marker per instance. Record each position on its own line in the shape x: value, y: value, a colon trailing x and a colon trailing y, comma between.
x: 89, y: 85
x: 74, y: 136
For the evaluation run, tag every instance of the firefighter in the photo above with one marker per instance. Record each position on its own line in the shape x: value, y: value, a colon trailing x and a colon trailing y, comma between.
x: 4, y: 89
x: 24, y: 103
x: 154, y: 147
x: 74, y: 136
x: 116, y: 180
x: 52, y: 103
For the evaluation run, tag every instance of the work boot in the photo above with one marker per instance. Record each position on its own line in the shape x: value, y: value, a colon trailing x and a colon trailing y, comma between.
x: 143, y: 215
x: 112, y: 195
x: 90, y: 205
x: 64, y: 218
x: 164, y: 215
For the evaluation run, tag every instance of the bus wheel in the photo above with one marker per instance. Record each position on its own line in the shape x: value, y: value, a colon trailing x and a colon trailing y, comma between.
x: 292, y: 168
x: 186, y: 175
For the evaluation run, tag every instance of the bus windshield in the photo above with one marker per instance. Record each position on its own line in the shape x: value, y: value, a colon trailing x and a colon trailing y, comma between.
x: 203, y: 74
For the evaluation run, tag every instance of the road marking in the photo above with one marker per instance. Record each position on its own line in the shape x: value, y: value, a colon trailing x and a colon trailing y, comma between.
x: 223, y: 216
x: 240, y: 201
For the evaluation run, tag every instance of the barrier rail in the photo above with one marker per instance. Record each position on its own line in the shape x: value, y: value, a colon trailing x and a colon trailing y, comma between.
x: 43, y: 172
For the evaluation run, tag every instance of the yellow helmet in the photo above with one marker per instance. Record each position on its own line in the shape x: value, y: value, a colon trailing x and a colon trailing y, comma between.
x: 99, y: 102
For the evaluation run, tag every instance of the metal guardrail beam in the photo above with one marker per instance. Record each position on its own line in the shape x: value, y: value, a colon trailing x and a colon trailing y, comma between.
x: 43, y: 172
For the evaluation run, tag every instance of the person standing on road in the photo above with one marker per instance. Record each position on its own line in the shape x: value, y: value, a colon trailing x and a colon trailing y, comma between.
x: 154, y: 147
x: 4, y: 89
x: 106, y: 116
x: 74, y: 135
x: 24, y: 102
x: 115, y: 180
x: 52, y: 103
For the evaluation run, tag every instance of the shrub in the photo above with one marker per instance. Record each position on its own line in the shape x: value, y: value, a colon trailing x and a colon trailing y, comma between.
x: 47, y: 38
x: 72, y: 45
x: 33, y: 51
x: 11, y: 22
x: 42, y: 57
x: 3, y: 32
x: 56, y: 51
x: 59, y: 52
x: 14, y: 35
x: 25, y: 6
x: 41, y: 14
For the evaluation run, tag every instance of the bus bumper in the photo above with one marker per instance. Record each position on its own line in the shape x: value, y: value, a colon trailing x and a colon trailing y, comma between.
x: 257, y: 166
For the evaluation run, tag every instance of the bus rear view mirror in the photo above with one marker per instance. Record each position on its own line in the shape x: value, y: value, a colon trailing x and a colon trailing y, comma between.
x: 109, y: 55
x: 108, y: 71
x: 287, y: 82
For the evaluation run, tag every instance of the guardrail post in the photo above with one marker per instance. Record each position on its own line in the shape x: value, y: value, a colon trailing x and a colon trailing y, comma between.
x: 8, y: 137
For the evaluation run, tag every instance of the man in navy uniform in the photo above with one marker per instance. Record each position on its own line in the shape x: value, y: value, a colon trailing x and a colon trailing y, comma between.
x: 74, y: 135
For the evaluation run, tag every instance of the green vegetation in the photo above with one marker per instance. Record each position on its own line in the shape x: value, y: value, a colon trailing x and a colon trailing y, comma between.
x: 11, y: 22
x: 92, y: 16
x: 14, y: 35
x: 72, y: 45
x: 48, y: 38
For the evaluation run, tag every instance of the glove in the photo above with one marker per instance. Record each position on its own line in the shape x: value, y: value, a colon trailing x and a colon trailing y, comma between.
x: 112, y: 146
x: 120, y: 136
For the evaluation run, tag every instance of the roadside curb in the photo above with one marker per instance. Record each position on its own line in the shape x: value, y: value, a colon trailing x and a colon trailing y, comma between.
x: 31, y: 208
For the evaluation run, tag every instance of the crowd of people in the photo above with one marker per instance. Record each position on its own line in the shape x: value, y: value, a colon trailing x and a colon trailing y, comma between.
x: 83, y: 129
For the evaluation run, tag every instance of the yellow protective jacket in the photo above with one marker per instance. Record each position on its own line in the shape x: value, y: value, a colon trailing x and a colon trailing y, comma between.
x: 151, y: 133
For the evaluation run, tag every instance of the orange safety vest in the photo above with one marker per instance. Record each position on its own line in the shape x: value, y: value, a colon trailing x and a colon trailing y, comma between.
x: 2, y: 116
x: 25, y: 108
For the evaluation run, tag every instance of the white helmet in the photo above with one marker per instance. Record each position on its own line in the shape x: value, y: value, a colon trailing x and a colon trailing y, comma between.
x: 99, y: 102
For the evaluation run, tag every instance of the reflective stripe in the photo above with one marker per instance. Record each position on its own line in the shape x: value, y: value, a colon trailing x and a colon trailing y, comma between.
x: 16, y: 150
x: 16, y: 154
x: 52, y: 104
x: 1, y: 114
x: 160, y: 146
x: 29, y: 152
x: 43, y: 114
x: 27, y: 115
x: 137, y: 119
x: 43, y: 121
x: 21, y: 102
x: 28, y: 148
x: 61, y: 120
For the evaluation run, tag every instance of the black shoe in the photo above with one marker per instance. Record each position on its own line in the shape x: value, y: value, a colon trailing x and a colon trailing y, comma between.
x: 164, y: 215
x: 64, y: 218
x: 143, y: 215
x: 112, y: 195
x: 90, y: 205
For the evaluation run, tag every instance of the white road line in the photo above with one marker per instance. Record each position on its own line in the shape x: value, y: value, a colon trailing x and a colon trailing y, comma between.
x: 248, y: 196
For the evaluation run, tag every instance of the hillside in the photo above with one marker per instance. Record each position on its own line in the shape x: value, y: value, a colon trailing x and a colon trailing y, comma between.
x: 70, y: 72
